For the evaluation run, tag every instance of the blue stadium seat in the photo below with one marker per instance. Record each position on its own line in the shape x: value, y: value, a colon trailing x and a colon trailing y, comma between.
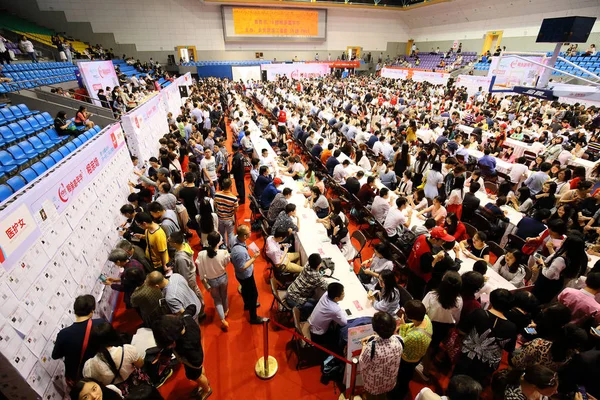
x: 41, y: 120
x: 27, y: 128
x: 56, y: 156
x: 37, y: 144
x: 18, y: 155
x: 47, y: 140
x: 7, y: 161
x: 78, y: 141
x: 29, y: 175
x: 48, y: 161
x: 54, y: 136
x: 17, y: 130
x: 7, y: 114
x: 25, y: 110
x: 28, y: 149
x: 64, y: 150
x: 5, y: 192
x: 16, y: 183
x: 89, y: 134
x: 16, y: 112
x: 39, y: 168
x: 7, y: 135
x: 71, y: 146
x: 34, y: 123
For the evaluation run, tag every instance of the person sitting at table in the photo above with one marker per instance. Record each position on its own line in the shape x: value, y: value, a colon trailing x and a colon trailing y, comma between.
x: 327, y: 317
x: 545, y: 199
x: 287, y: 220
x: 341, y: 172
x: 328, y: 152
x: 577, y: 196
x: 340, y: 236
x: 371, y: 269
x: 455, y: 228
x: 522, y: 202
x: 380, y: 166
x: 262, y: 181
x: 437, y: 211
x: 397, y: 219
x: 352, y: 184
x: 537, y: 179
x: 405, y: 186
x: 476, y: 177
x: 318, y: 202
x: 306, y: 285
x: 388, y: 177
x: 387, y: 298
x: 278, y: 204
x: 476, y: 248
x: 317, y: 149
x: 509, y: 267
x: 434, y: 180
x: 455, y: 200
x: 568, y: 262
x: 487, y: 163
x: 552, y: 151
x: 269, y: 193
x: 278, y: 252
x: 422, y: 260
x: 367, y: 191
x: 418, y: 201
x: 381, y: 205
x: 296, y: 170
x: 332, y: 161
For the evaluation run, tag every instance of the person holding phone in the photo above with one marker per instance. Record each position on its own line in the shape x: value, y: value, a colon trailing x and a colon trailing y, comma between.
x: 388, y: 298
x: 82, y: 118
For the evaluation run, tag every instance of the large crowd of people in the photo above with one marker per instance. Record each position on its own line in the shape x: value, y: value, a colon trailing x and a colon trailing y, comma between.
x: 394, y: 156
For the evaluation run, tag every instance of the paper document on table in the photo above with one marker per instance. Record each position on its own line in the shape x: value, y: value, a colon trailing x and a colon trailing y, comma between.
x: 252, y: 246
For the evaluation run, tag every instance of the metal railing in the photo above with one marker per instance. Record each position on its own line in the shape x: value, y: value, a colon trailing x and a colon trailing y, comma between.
x: 266, y: 366
x: 39, y: 81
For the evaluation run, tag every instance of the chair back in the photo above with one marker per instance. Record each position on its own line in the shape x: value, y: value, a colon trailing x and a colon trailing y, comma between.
x: 495, y: 249
x: 301, y: 328
x: 361, y: 239
x: 490, y: 187
x: 528, y: 274
x: 404, y: 295
x: 471, y: 230
x: 481, y: 223
x: 515, y: 242
x: 282, y: 304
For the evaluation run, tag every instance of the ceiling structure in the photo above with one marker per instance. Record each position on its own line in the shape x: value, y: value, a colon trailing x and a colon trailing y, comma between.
x: 398, y: 5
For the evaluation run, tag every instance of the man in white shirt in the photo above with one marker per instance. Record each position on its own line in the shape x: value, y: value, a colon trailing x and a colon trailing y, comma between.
x: 341, y: 172
x: 209, y: 170
x: 268, y: 160
x: 381, y: 205
x: 396, y: 219
x: 518, y: 172
x: 327, y: 311
x: 378, y: 147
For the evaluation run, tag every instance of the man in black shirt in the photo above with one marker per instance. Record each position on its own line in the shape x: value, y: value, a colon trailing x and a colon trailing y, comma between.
x: 352, y: 184
x: 332, y: 161
x: 181, y: 334
x: 74, y: 343
x: 470, y: 202
x: 238, y: 170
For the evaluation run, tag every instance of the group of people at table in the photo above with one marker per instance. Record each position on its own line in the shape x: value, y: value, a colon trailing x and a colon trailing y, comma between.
x: 368, y: 135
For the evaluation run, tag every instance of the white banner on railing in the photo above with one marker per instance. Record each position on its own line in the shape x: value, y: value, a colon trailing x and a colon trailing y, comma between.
x: 436, y: 78
x: 394, y: 73
x: 512, y: 71
x: 144, y: 126
x: 472, y: 83
x: 296, y: 70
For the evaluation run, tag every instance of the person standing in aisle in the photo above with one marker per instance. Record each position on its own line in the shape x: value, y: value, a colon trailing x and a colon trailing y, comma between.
x: 238, y: 170
x: 156, y: 241
x: 184, y: 262
x: 244, y: 272
x: 73, y: 342
x: 226, y: 205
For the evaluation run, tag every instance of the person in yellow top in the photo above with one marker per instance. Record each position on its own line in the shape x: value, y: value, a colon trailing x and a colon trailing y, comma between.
x: 411, y: 132
x: 416, y: 330
x: 156, y: 241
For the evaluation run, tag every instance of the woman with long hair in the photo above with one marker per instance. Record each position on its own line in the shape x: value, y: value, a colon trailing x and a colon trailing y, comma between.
x: 444, y: 305
x: 340, y: 236
x: 567, y: 214
x: 212, y: 269
x: 535, y: 382
x: 437, y: 211
x: 418, y: 201
x: 405, y: 186
x: 82, y: 118
x: 388, y: 298
x: 434, y: 180
x: 509, y: 267
x: 455, y: 228
x: 568, y: 262
x: 373, y: 267
x: 91, y: 389
x: 318, y: 202
x: 476, y: 248
x: 546, y: 198
x: 522, y: 201
x: 114, y: 362
x: 454, y: 202
x: 362, y: 160
x: 402, y: 159
x: 207, y: 218
x: 420, y: 168
x: 388, y: 177
x: 562, y: 181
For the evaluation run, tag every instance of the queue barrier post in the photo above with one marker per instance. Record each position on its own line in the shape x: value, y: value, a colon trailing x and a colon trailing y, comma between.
x: 266, y: 366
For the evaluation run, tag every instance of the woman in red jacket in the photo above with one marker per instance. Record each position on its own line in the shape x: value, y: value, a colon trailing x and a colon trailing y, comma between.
x: 455, y: 228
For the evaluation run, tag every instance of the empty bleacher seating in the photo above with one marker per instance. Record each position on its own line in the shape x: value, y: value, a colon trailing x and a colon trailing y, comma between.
x: 29, y: 146
x: 29, y: 75
x: 591, y: 63
x: 431, y: 61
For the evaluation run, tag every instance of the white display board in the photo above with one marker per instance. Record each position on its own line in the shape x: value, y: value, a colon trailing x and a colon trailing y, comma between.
x: 61, y: 229
x: 97, y: 75
x: 436, y: 78
x: 472, y: 83
x: 394, y: 73
x: 511, y: 71
x: 246, y: 73
x: 144, y: 126
x: 296, y: 70
x: 171, y: 96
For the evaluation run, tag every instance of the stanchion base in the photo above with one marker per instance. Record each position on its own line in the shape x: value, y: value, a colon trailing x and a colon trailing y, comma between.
x: 259, y: 368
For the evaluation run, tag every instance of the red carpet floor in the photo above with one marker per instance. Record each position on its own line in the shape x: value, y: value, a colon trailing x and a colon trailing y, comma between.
x: 230, y: 357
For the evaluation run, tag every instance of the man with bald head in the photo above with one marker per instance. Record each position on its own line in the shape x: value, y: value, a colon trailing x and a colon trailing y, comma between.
x: 177, y: 292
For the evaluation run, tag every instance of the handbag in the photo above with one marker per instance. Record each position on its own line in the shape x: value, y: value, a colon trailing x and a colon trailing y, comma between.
x: 86, y: 340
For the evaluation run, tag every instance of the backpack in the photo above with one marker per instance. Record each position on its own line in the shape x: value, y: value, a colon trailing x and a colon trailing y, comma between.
x: 332, y: 369
x: 406, y: 240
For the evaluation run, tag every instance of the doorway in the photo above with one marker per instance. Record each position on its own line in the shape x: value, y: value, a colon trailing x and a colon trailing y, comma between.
x: 492, y: 40
x: 353, y: 53
x: 186, y: 54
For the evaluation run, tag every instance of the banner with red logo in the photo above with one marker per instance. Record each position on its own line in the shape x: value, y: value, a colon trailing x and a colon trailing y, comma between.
x: 64, y: 189
x: 511, y: 71
x: 97, y: 75
x: 473, y: 82
x: 394, y: 73
x: 436, y: 78
x: 296, y: 70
